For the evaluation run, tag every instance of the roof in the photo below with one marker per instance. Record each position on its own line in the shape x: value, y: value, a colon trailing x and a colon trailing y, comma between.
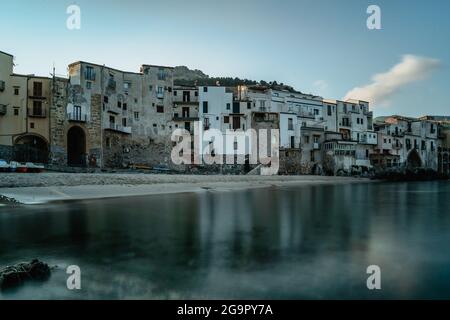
x: 156, y: 66
x: 6, y: 53
x: 101, y: 66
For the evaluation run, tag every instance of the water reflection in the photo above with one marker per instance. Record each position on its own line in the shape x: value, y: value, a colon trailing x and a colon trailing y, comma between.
x: 308, y: 242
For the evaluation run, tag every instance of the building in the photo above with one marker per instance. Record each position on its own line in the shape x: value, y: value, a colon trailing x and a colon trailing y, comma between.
x: 24, y: 114
x: 405, y: 141
x: 185, y: 107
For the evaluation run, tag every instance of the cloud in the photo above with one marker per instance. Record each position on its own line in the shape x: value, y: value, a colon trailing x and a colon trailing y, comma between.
x: 384, y: 85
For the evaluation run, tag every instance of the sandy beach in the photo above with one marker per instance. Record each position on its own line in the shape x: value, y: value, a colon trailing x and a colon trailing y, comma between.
x: 46, y: 187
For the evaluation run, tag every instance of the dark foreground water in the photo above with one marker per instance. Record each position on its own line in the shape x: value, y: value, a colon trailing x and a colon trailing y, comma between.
x: 307, y: 242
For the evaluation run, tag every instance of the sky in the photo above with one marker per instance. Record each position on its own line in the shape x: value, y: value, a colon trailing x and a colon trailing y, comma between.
x: 317, y: 46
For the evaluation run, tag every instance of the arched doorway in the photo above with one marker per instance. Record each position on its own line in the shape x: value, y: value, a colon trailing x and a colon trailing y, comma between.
x: 76, y: 147
x: 31, y: 148
x: 414, y: 160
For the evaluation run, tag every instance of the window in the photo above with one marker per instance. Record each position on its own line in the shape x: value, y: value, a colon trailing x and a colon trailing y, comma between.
x: 124, y: 122
x: 89, y: 73
x: 136, y: 116
x: 16, y: 111
x: 105, y: 99
x: 329, y: 110
x: 290, y: 124
x: 228, y: 106
x: 362, y: 120
x: 112, y: 119
x: 150, y: 88
x: 88, y: 85
x: 306, y: 139
x: 119, y: 104
x: 16, y: 91
x: 160, y: 109
x: 316, y: 112
x: 37, y: 108
x: 161, y: 74
x: 205, y: 89
x: 124, y: 106
x: 205, y: 106
x: 249, y: 105
x: 226, y: 119
x: 175, y: 93
x: 127, y: 85
x: 32, y: 125
x: 37, y: 89
x: 196, y: 93
x: 160, y: 91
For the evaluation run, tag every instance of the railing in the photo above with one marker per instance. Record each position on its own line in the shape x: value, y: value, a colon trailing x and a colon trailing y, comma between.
x: 77, y: 117
x: 37, y: 113
x: 182, y: 118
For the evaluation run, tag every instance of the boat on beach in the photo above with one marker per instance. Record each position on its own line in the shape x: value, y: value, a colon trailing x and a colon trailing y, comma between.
x: 15, y: 166
x: 34, y: 168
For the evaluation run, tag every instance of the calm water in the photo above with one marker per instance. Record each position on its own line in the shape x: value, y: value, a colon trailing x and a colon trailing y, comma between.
x: 307, y: 242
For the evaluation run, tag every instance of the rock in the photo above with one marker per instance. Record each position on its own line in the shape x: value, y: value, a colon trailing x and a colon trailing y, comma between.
x: 13, y: 276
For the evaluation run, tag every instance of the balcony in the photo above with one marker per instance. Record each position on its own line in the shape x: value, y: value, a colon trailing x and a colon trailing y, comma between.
x: 182, y: 118
x: 2, y: 109
x: 119, y: 128
x: 77, y: 117
x: 397, y: 146
x: 37, y: 113
x: 305, y: 114
x: 112, y: 109
x: 346, y: 124
x: 160, y: 95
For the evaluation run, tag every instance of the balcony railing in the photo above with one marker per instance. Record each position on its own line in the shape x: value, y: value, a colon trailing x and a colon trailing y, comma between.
x: 77, y: 117
x: 37, y: 113
x: 182, y: 118
x: 117, y: 127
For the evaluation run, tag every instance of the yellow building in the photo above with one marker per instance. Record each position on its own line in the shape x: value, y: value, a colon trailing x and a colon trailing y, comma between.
x: 24, y: 114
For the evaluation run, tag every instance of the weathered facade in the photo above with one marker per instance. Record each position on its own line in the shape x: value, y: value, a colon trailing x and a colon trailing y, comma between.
x: 102, y: 117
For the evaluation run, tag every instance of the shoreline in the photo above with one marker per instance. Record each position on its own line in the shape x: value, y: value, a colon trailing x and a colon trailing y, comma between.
x: 53, y: 187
